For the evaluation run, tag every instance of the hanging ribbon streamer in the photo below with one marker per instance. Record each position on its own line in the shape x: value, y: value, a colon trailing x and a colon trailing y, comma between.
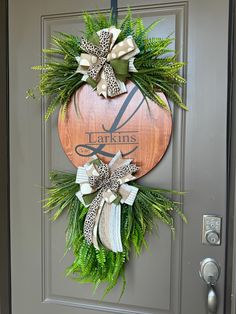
x: 103, y: 189
x: 106, y: 66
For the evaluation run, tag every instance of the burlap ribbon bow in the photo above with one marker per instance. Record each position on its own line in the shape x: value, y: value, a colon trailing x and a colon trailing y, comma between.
x: 103, y: 188
x: 106, y: 66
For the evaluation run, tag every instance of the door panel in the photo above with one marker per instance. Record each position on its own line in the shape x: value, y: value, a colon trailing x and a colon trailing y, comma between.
x: 165, y: 279
x: 138, y: 277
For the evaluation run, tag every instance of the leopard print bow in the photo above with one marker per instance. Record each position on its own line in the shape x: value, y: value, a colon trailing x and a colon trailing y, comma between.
x: 106, y: 183
x: 96, y: 63
x: 101, y: 53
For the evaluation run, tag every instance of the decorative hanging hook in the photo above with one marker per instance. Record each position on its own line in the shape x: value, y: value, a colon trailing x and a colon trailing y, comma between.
x: 114, y: 11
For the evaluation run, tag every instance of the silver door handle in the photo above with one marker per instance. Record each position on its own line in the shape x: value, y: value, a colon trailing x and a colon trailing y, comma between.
x: 210, y: 273
x: 212, y: 299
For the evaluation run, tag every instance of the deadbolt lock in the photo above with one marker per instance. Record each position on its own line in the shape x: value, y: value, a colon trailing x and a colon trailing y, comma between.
x: 211, y: 230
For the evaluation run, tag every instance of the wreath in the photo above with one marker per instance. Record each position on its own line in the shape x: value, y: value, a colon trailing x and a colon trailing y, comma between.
x: 106, y: 57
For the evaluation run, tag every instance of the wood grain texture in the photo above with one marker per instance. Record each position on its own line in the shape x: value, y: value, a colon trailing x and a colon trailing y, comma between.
x: 94, y: 125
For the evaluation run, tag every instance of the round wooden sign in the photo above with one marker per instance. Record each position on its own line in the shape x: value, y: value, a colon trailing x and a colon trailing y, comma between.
x: 94, y: 125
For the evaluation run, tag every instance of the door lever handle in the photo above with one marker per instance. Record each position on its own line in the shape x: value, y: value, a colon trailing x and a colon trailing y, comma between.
x: 210, y: 273
x: 212, y: 299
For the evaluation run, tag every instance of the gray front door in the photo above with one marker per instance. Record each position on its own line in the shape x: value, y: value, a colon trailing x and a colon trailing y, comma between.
x: 165, y: 280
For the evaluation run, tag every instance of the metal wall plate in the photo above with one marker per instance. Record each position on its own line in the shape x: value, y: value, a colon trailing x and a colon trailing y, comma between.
x: 211, y: 229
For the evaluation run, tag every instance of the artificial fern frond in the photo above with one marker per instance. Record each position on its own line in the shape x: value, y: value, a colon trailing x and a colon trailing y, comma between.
x: 156, y: 60
x: 96, y: 266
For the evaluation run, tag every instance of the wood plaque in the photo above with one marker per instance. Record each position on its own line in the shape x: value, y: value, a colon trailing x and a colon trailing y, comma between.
x: 95, y: 125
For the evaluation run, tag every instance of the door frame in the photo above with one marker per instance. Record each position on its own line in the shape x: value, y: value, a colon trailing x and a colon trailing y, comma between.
x: 5, y: 275
x: 5, y: 261
x: 230, y: 280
